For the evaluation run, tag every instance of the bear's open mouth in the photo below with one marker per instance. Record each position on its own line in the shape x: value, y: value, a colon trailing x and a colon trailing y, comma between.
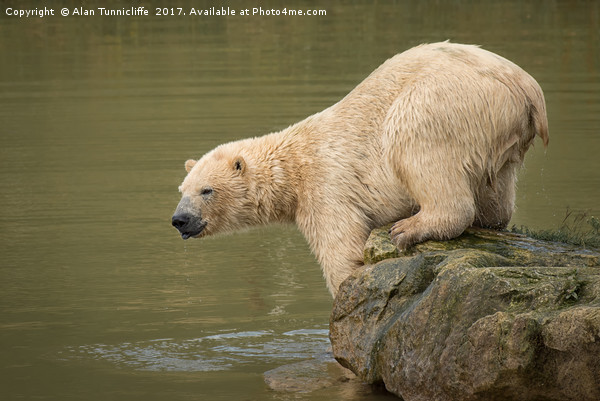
x: 195, y: 232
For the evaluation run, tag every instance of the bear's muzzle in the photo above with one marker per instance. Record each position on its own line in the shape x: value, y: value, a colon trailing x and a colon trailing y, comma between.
x: 187, y: 223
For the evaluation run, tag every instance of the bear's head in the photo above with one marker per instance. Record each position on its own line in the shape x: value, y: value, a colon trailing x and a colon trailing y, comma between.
x: 215, y: 195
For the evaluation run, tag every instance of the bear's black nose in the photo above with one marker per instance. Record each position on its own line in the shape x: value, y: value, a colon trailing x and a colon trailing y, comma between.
x: 180, y: 220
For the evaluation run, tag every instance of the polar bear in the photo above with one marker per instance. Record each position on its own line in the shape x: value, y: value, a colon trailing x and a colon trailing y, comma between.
x: 431, y: 140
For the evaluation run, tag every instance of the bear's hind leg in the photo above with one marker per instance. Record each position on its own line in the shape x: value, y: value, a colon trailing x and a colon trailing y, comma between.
x: 443, y: 215
x: 432, y: 147
x: 496, y: 202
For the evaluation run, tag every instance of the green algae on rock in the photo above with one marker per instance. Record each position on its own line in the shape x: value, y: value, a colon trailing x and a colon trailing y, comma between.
x: 487, y: 316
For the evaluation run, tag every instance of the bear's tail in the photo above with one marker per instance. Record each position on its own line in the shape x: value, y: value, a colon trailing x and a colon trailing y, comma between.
x: 538, y: 118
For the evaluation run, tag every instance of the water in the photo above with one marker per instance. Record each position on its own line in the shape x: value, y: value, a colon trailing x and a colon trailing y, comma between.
x: 100, y: 298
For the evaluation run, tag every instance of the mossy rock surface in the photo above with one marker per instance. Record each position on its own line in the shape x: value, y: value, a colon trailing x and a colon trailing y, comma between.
x: 487, y: 316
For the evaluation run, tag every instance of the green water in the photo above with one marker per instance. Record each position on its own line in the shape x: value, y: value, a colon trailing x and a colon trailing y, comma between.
x: 100, y: 299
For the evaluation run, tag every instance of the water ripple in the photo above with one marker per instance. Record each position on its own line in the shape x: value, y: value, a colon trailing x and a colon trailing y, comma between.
x: 215, y: 352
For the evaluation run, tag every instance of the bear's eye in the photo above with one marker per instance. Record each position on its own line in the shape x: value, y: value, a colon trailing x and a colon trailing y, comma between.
x: 206, y: 191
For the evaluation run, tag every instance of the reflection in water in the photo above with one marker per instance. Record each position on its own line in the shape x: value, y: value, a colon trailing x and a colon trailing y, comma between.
x: 215, y: 352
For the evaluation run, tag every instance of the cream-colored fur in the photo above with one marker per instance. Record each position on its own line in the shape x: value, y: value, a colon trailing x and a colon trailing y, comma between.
x: 430, y: 140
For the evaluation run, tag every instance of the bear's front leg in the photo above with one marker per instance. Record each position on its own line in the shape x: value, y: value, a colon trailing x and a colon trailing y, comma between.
x: 337, y: 238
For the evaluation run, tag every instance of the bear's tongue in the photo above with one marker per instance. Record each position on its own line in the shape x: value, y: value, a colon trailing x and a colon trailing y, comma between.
x: 185, y: 235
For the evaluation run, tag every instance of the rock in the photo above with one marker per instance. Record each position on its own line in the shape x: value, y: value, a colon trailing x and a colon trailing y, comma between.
x: 379, y: 247
x: 320, y: 376
x: 487, y: 316
x: 307, y: 376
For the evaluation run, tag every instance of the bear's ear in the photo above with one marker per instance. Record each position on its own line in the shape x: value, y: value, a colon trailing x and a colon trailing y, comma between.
x: 189, y: 164
x: 239, y: 165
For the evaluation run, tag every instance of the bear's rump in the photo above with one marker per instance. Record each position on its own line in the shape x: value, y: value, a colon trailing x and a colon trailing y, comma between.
x: 457, y: 121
